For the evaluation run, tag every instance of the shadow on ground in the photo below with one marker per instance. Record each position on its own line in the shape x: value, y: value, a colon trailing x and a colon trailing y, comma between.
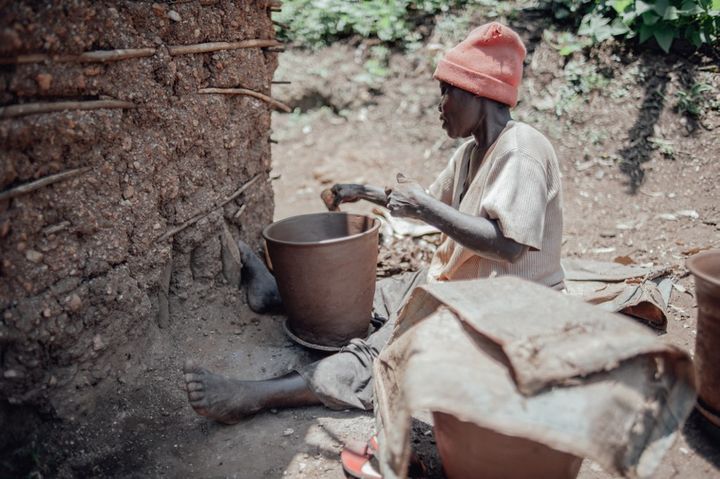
x: 703, y: 437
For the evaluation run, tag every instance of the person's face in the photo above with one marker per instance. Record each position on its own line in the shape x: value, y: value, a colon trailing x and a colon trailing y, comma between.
x: 460, y: 111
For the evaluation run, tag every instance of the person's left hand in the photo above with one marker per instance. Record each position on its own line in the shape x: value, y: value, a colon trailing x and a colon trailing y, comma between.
x: 406, y: 199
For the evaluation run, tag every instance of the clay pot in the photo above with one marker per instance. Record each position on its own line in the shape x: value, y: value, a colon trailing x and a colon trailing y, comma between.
x: 324, y: 264
x: 468, y: 450
x: 706, y: 269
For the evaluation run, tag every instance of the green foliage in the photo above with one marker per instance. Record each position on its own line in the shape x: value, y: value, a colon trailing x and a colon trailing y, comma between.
x: 693, y: 101
x: 665, y: 147
x: 697, y: 21
x: 566, y: 43
x: 376, y: 66
x: 581, y: 79
x: 451, y: 29
x: 318, y: 22
x: 569, y: 10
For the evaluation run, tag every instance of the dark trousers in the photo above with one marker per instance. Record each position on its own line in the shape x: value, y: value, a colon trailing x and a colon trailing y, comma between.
x: 345, y: 379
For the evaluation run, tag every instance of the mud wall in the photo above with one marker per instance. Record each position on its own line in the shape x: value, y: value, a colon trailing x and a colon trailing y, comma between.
x: 89, y: 260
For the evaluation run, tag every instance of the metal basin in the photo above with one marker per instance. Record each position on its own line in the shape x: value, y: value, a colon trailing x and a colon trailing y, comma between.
x: 706, y: 269
x: 468, y: 450
x: 324, y: 265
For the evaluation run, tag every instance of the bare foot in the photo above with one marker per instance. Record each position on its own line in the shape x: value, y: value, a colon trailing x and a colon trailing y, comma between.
x: 219, y: 398
x: 262, y: 290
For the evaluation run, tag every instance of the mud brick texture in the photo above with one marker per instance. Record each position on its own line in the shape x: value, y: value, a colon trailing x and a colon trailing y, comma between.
x: 84, y: 280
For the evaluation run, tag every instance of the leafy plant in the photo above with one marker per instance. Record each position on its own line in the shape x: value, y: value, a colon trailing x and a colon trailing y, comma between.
x: 665, y: 20
x: 451, y: 28
x: 665, y: 147
x: 693, y: 101
x: 697, y: 21
x: 376, y: 66
x: 568, y: 10
x: 581, y: 79
x: 566, y: 43
x: 318, y: 22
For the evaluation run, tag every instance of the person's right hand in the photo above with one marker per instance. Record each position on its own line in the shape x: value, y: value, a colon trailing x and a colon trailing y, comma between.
x: 342, y: 193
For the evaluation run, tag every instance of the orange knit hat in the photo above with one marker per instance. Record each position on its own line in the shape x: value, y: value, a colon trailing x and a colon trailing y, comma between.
x: 488, y: 63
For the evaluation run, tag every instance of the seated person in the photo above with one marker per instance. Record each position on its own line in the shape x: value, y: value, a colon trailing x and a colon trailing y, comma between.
x: 498, y: 205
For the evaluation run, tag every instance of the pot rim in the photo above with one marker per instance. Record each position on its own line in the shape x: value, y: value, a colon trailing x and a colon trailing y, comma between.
x: 691, y: 264
x: 374, y: 228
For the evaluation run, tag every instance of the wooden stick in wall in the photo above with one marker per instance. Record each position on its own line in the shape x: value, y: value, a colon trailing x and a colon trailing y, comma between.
x: 102, y: 56
x: 45, y: 181
x: 12, y: 111
x: 217, y: 46
x: 194, y: 219
x: 244, y: 91
x: 97, y: 56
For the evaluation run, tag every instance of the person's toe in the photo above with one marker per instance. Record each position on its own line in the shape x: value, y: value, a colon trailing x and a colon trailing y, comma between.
x: 194, y: 377
x: 196, y: 395
x: 246, y: 252
x: 194, y: 386
x: 191, y: 367
x: 243, y: 246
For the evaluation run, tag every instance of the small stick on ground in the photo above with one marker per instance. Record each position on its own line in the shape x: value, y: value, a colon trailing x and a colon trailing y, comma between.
x: 217, y: 46
x: 281, y: 82
x: 244, y: 91
x: 194, y: 219
x: 35, y: 108
x: 37, y: 184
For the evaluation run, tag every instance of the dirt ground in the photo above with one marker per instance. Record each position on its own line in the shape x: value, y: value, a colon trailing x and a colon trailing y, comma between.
x: 349, y: 127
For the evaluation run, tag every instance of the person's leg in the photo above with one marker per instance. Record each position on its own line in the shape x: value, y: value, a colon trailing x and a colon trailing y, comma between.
x: 260, y: 284
x: 345, y: 379
x: 228, y: 400
x: 342, y: 380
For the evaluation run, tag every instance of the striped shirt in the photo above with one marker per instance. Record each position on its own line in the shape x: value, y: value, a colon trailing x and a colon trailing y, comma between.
x: 518, y: 185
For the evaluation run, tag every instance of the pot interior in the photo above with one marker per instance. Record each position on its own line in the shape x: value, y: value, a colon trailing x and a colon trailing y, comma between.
x: 318, y: 228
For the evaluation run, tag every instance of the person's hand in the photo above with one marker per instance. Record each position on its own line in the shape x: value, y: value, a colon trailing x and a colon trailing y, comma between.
x: 341, y: 193
x: 406, y: 199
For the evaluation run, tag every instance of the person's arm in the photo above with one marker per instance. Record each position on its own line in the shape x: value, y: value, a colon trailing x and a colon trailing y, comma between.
x: 351, y: 192
x: 479, y: 234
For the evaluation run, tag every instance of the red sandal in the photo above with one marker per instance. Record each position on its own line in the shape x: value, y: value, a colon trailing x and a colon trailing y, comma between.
x: 359, y: 461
